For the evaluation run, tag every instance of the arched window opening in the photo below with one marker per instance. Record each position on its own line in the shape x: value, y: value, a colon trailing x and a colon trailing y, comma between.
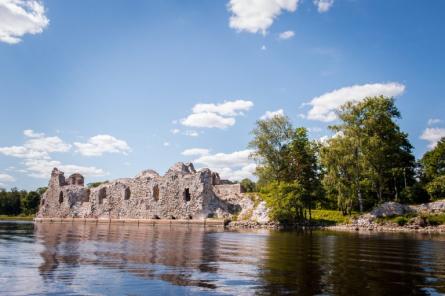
x: 127, y: 193
x: 86, y: 195
x: 60, y: 197
x: 156, y: 192
x: 102, y: 194
x: 187, y: 195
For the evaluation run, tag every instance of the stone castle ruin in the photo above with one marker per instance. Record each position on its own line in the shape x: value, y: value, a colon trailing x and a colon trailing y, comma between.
x: 182, y: 193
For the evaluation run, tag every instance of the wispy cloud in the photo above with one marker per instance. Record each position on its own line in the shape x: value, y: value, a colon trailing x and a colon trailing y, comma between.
x: 6, y: 178
x: 433, y: 121
x: 286, y: 35
x: 175, y: 131
x: 191, y: 133
x: 195, y: 151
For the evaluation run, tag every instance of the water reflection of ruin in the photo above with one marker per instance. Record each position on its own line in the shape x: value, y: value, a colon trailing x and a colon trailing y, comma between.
x: 139, y: 250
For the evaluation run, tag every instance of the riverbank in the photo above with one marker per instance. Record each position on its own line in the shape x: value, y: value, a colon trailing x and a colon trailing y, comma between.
x: 240, y: 225
x: 16, y: 218
x: 387, y: 228
x: 387, y: 217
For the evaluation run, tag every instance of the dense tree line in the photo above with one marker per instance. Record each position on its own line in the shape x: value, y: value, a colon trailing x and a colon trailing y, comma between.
x: 368, y: 161
x: 15, y: 202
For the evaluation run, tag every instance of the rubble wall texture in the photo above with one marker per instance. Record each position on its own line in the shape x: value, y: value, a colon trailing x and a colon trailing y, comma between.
x: 182, y: 193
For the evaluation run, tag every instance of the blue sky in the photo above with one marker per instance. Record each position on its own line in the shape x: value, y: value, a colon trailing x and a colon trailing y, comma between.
x: 110, y: 88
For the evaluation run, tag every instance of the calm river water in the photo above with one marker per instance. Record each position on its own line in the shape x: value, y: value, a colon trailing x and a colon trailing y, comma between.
x: 79, y: 259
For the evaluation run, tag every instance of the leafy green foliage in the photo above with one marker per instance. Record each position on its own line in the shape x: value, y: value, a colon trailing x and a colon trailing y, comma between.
x: 435, y: 220
x: 248, y: 185
x: 401, y: 220
x: 96, y: 184
x: 370, y: 159
x: 433, y: 162
x: 15, y: 202
x: 270, y: 143
x: 414, y: 194
x: 285, y: 201
x: 433, y: 170
x: 329, y: 217
x: 288, y: 171
x: 436, y: 188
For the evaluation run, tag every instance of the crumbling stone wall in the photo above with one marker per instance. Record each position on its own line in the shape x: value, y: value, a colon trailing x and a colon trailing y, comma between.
x: 182, y: 193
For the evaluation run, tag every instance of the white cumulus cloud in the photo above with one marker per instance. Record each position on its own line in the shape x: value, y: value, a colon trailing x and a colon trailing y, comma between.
x: 272, y: 114
x: 100, y: 144
x: 325, y: 106
x: 256, y: 16
x: 433, y: 135
x: 36, y: 146
x: 216, y: 115
x: 286, y: 35
x: 323, y: 5
x: 208, y: 120
x: 20, y: 17
x: 195, y: 151
x: 233, y: 166
x: 36, y: 154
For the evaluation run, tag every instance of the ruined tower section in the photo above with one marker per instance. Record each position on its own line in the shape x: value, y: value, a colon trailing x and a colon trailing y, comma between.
x: 182, y: 193
x: 64, y: 197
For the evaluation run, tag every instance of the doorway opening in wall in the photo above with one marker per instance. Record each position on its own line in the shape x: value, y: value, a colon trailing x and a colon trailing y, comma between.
x: 127, y: 193
x: 60, y: 197
x: 187, y: 195
x: 156, y: 192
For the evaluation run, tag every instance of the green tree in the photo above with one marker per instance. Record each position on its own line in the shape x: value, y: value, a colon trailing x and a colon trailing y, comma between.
x: 285, y: 201
x: 376, y: 154
x: 433, y: 170
x: 248, y: 185
x: 10, y: 202
x: 436, y: 188
x: 270, y: 142
x: 433, y: 162
x: 286, y: 161
x: 343, y: 178
x: 30, y: 202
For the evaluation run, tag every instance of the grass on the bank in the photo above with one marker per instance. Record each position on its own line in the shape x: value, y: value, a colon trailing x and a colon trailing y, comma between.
x: 429, y: 219
x: 16, y: 218
x: 330, y: 217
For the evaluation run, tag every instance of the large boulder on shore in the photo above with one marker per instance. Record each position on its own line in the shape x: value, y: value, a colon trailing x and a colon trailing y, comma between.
x: 389, y: 209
